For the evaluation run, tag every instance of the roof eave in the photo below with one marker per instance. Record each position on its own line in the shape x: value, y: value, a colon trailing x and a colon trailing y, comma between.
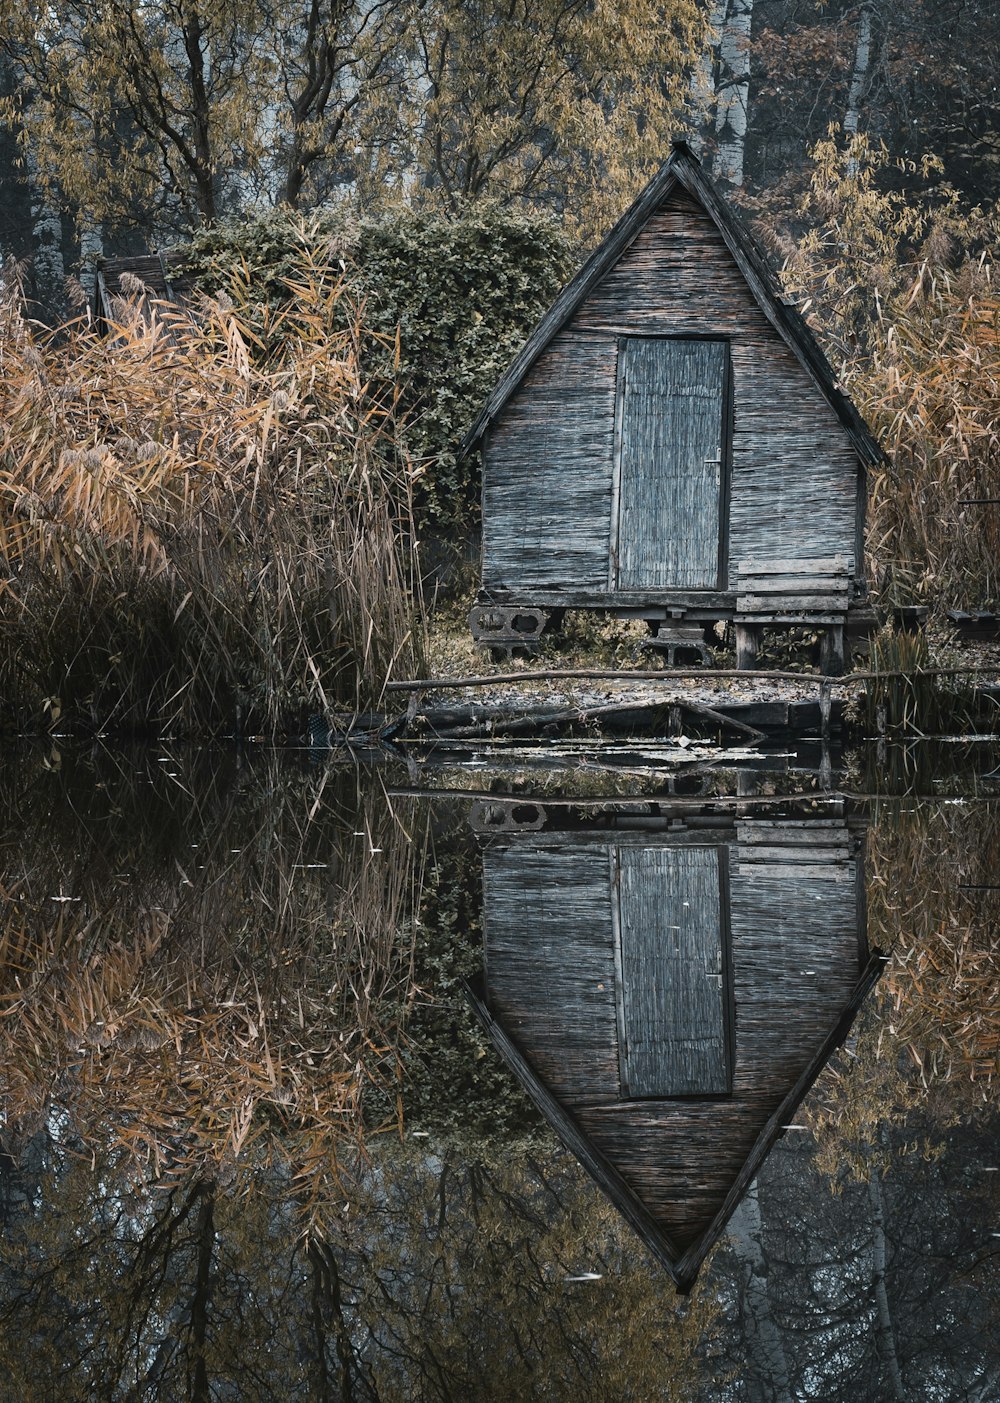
x: 786, y: 319
x: 576, y: 290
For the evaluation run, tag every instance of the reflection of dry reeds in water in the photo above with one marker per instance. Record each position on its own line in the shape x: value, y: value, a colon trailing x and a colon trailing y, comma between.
x: 935, y: 906
x: 204, y: 519
x: 241, y: 998
x: 927, y: 1045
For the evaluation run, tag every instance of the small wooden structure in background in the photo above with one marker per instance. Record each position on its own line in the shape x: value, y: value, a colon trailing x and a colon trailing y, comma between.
x: 670, y: 444
x: 667, y: 988
x: 160, y: 275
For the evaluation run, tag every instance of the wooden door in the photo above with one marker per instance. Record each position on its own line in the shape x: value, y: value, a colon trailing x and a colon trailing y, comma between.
x: 674, y: 1004
x: 671, y: 444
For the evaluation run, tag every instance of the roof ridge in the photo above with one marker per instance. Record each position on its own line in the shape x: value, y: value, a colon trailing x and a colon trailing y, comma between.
x: 683, y: 168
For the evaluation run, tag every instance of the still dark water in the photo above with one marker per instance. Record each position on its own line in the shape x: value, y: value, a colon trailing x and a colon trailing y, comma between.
x: 387, y: 1080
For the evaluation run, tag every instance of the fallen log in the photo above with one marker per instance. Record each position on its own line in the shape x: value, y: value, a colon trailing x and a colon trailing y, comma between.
x: 538, y: 719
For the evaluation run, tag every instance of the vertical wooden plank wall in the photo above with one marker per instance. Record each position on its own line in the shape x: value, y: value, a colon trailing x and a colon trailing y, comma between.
x: 549, y: 457
x: 547, y: 471
x: 550, y: 963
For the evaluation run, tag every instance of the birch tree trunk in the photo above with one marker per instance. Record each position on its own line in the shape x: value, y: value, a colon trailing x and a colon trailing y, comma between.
x: 91, y: 249
x: 732, y: 92
x: 762, y: 1333
x: 886, y: 1332
x: 859, y: 75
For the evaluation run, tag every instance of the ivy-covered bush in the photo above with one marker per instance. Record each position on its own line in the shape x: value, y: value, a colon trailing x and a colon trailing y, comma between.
x: 463, y: 293
x: 452, y: 1080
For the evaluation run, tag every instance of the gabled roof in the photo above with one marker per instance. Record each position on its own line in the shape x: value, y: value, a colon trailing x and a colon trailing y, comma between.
x: 684, y: 170
x: 682, y: 1265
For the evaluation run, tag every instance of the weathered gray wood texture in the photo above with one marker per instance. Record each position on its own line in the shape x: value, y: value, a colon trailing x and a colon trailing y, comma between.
x: 549, y: 455
x: 671, y: 935
x: 670, y: 445
x: 550, y: 962
x: 796, y: 958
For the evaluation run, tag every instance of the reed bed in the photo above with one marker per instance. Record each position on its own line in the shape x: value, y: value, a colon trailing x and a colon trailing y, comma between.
x: 205, y: 521
x: 211, y: 988
x: 928, y: 1041
x: 932, y: 389
x: 905, y: 695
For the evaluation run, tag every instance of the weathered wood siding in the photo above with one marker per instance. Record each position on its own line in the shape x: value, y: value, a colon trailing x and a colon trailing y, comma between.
x: 550, y: 963
x: 795, y: 960
x: 670, y: 444
x: 549, y: 457
x: 674, y: 1006
x: 547, y: 475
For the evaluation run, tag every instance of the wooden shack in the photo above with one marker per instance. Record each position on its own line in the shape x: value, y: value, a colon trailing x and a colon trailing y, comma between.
x: 670, y: 443
x: 667, y: 995
x: 148, y: 277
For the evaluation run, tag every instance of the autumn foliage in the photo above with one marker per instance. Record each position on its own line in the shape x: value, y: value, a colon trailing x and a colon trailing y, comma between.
x: 903, y: 295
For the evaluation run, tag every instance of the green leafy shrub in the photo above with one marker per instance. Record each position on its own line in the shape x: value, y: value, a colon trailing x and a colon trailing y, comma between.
x: 462, y: 293
x: 453, y: 1081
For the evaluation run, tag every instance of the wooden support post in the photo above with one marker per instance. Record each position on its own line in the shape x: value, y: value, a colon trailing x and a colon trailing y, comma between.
x: 747, y: 783
x: 831, y: 650
x: 746, y: 646
x: 825, y: 704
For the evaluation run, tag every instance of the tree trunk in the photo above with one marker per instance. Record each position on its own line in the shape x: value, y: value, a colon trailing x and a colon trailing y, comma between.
x: 202, y: 166
x: 327, y: 1308
x: 763, y: 1335
x: 859, y: 81
x: 886, y: 1332
x: 702, y: 91
x: 205, y: 1238
x: 91, y: 249
x: 48, y: 266
x: 732, y: 92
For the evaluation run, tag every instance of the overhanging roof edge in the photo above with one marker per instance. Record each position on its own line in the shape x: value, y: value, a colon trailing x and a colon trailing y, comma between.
x: 683, y: 168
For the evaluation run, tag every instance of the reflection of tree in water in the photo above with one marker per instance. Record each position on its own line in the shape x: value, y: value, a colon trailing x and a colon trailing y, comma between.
x: 437, y: 1267
x: 887, y: 1290
x: 445, y: 1278
x: 887, y: 1287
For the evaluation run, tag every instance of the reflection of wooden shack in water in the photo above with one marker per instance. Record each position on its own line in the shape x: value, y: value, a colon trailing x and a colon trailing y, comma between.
x: 668, y: 997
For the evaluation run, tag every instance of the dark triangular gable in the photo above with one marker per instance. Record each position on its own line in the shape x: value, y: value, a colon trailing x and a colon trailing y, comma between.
x: 681, y: 1265
x: 684, y: 170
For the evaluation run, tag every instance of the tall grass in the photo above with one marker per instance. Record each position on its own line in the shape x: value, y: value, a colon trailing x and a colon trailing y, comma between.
x: 903, y: 295
x: 204, y: 515
x: 933, y: 390
x: 905, y: 697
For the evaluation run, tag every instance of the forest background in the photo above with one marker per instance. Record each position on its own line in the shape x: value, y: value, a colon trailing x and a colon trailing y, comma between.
x: 381, y: 216
x: 207, y: 520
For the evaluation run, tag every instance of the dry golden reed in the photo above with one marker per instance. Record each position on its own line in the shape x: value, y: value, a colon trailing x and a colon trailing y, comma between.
x: 204, y: 513
x: 903, y: 296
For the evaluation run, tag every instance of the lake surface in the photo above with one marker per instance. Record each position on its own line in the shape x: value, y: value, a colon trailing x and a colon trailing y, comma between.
x: 632, y: 1072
